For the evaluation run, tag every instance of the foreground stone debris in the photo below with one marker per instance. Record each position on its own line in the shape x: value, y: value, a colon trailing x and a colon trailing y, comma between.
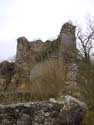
x: 40, y: 113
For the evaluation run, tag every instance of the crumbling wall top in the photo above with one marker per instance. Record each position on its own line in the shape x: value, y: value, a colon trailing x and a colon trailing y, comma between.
x: 68, y: 28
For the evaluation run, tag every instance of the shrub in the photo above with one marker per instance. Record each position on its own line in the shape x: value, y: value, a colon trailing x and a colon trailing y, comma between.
x: 88, y: 119
x: 51, y: 80
x: 86, y: 83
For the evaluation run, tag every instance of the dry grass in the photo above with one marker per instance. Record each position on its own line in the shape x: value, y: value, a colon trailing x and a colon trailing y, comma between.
x: 51, y: 80
x: 88, y: 118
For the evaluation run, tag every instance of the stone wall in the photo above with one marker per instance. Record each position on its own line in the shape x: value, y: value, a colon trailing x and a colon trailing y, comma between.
x: 17, y: 76
x: 39, y: 113
x: 27, y: 51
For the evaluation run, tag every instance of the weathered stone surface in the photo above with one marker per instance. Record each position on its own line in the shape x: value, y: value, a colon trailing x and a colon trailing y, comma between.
x: 18, y: 76
x: 67, y: 42
x: 39, y: 113
x: 71, y: 77
x: 7, y: 70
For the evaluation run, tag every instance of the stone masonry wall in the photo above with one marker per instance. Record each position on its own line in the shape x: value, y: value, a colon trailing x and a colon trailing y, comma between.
x: 39, y: 113
x: 17, y: 76
x: 27, y: 52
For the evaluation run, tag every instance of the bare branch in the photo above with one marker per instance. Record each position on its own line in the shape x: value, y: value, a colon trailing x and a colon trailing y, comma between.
x: 86, y: 40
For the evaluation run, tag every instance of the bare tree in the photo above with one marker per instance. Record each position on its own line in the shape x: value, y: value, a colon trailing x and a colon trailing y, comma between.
x: 86, y: 40
x: 85, y: 67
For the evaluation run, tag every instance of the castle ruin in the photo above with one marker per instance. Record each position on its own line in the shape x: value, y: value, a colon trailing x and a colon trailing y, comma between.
x: 29, y: 54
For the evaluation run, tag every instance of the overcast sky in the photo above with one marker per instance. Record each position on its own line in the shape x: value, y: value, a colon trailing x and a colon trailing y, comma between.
x: 37, y: 19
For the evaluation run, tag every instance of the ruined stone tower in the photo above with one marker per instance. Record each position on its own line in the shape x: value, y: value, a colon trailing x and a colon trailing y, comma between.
x: 68, y: 50
x: 67, y: 41
x: 29, y: 52
x: 31, y: 56
x: 68, y: 30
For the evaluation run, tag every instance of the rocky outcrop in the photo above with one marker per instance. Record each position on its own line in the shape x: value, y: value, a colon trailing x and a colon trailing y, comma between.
x: 40, y: 113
